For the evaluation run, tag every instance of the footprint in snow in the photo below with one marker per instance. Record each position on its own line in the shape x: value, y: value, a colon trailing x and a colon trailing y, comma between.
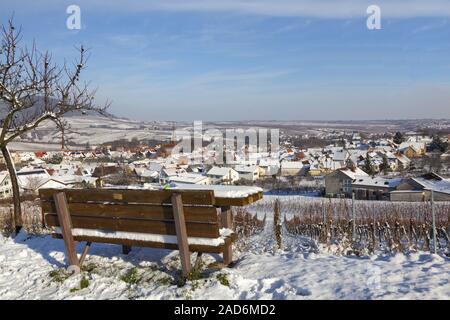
x: 282, y: 290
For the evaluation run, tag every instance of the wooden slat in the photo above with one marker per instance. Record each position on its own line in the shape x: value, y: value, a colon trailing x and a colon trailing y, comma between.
x: 235, y: 202
x: 227, y: 222
x: 150, y: 244
x: 197, y: 197
x: 180, y: 226
x: 204, y: 230
x: 238, y: 202
x: 64, y: 221
x: 136, y: 211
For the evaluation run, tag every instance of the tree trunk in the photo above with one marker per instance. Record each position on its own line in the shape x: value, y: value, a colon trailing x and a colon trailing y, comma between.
x: 63, y: 140
x: 15, y: 187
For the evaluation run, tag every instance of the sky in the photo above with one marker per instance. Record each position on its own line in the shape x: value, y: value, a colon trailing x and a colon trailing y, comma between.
x: 185, y: 60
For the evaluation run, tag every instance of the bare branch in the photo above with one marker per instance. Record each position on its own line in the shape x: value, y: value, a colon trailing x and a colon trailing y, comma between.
x: 34, y: 89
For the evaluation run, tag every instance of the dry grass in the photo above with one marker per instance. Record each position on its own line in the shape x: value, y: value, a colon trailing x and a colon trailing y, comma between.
x: 246, y: 223
x: 31, y: 217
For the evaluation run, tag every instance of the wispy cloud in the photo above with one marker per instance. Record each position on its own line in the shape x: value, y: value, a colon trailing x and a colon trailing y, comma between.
x: 431, y: 26
x: 237, y: 77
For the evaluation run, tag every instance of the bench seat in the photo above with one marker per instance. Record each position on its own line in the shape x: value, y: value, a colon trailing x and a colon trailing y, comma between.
x: 138, y: 239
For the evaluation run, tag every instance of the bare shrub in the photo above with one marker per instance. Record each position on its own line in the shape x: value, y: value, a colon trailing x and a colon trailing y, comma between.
x: 246, y: 223
x: 6, y: 221
x: 31, y: 217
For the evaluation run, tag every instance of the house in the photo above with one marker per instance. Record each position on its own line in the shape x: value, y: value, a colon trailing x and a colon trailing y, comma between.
x: 339, y: 158
x: 339, y: 182
x: 105, y: 170
x: 412, y: 149
x: 190, y: 178
x: 248, y: 172
x: 145, y: 174
x: 31, y: 180
x: 403, y: 162
x: 291, y: 168
x: 166, y: 174
x: 222, y: 175
x: 269, y: 167
x: 49, y: 184
x: 374, y: 188
x: 419, y: 188
x: 5, y: 185
x: 314, y: 170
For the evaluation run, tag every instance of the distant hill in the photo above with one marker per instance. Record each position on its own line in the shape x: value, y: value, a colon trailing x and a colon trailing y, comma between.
x: 39, y: 105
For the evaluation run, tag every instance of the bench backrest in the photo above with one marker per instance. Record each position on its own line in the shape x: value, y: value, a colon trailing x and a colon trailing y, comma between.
x: 143, y: 211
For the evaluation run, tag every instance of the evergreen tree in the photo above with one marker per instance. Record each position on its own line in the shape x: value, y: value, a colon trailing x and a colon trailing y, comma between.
x: 368, y: 166
x: 398, y: 138
x: 439, y: 144
x: 384, y: 165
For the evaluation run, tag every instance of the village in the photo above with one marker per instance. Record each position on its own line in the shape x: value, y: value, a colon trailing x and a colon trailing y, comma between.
x: 397, y: 168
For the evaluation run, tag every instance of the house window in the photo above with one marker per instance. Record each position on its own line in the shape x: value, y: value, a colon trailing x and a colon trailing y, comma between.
x: 346, y: 185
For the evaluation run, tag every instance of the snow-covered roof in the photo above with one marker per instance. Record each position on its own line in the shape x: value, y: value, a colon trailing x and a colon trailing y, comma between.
x: 245, y: 169
x: 376, y: 182
x: 340, y: 155
x: 402, y: 158
x: 291, y: 165
x: 353, y: 174
x: 188, y: 178
x: 219, y: 171
x: 146, y: 173
x: 436, y: 185
x: 173, y: 171
x: 414, y: 145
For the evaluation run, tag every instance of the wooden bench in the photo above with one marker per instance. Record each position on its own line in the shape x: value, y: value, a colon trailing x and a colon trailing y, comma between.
x: 184, y: 220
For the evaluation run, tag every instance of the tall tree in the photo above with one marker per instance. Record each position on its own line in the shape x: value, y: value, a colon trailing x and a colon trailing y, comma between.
x: 34, y: 90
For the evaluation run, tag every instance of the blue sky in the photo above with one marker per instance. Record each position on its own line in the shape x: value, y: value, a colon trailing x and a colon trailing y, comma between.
x: 254, y: 60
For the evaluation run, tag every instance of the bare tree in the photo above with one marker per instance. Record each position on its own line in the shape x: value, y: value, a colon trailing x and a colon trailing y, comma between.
x: 34, y: 90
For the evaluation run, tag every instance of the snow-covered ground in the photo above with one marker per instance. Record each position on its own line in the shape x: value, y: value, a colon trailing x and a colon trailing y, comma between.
x: 30, y: 268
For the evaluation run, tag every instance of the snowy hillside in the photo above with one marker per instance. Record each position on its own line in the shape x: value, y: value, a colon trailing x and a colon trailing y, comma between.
x: 92, y: 129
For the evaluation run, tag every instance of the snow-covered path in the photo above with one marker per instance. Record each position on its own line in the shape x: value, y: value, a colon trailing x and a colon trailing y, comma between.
x: 297, y: 273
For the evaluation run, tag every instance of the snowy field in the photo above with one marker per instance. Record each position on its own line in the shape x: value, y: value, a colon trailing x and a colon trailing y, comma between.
x: 94, y: 130
x: 31, y: 268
